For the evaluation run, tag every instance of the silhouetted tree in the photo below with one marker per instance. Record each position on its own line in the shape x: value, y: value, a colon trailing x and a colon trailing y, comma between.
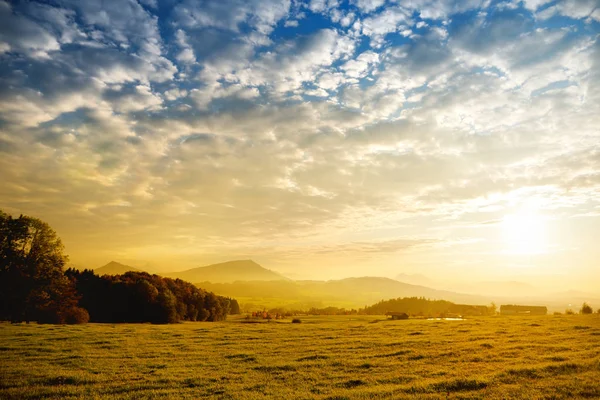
x: 234, y: 307
x: 586, y: 309
x: 421, y: 306
x: 141, y: 297
x: 32, y: 283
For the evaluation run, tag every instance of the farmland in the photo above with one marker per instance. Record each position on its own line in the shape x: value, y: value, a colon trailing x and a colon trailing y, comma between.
x: 357, y: 357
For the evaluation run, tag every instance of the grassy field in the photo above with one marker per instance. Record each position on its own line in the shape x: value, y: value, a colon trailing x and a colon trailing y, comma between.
x: 549, y: 357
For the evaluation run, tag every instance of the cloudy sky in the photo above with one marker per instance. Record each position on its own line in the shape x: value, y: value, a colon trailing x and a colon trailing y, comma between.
x: 323, y: 139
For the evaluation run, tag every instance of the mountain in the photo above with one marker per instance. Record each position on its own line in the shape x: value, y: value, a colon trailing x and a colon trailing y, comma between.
x: 349, y: 293
x: 375, y: 289
x: 115, y: 268
x: 417, y: 279
x: 74, y: 266
x: 231, y: 271
x: 499, y: 288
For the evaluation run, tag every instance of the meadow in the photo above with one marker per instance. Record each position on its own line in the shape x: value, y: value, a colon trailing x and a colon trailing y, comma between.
x: 352, y: 357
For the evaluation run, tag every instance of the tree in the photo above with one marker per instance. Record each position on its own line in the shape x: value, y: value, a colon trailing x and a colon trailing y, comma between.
x: 586, y: 309
x: 32, y: 283
x: 234, y: 307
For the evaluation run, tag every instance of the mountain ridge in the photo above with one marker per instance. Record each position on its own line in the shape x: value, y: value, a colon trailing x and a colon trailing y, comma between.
x: 228, y: 272
x: 115, y: 268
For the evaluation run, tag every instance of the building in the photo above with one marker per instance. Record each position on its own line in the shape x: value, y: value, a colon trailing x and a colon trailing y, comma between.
x: 511, y: 309
x: 397, y: 315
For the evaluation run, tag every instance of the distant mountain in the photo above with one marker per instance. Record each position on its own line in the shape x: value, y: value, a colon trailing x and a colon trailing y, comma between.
x: 115, y: 268
x: 499, y: 288
x: 231, y: 271
x: 377, y: 289
x: 74, y: 266
x: 349, y: 292
x: 417, y: 279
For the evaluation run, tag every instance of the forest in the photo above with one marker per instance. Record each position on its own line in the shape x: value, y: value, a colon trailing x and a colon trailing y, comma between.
x: 419, y: 306
x: 413, y: 306
x: 35, y: 287
x: 141, y: 297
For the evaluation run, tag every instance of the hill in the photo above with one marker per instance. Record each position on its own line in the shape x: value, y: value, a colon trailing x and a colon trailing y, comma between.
x: 349, y: 293
x: 227, y: 272
x: 115, y: 268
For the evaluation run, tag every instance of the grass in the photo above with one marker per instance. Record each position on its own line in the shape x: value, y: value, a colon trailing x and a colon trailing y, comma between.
x: 551, y: 357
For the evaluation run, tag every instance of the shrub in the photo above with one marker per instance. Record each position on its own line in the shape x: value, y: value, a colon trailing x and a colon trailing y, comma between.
x: 568, y: 311
x: 586, y: 309
x: 296, y: 321
x: 76, y: 315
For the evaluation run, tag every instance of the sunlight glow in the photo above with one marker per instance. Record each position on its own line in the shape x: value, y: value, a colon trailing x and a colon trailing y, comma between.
x: 524, y: 233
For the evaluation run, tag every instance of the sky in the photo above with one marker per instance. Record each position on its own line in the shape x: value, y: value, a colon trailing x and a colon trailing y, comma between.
x: 459, y: 140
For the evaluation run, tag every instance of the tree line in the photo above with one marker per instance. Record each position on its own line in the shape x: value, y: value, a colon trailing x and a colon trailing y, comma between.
x: 141, y: 297
x: 414, y: 306
x: 420, y: 306
x: 35, y: 287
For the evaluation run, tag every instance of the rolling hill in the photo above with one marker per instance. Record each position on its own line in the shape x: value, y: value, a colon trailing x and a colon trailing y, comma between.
x: 349, y: 292
x: 114, y: 268
x: 227, y: 272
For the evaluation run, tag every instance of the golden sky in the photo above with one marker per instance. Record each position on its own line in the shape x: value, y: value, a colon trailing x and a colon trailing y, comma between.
x: 455, y: 139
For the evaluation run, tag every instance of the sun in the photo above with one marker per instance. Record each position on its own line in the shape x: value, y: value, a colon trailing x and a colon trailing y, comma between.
x: 524, y: 233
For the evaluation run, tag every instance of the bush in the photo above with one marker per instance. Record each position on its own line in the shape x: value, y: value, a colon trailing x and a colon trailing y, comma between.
x: 76, y: 315
x: 568, y: 311
x: 296, y: 321
x: 557, y: 313
x: 586, y: 309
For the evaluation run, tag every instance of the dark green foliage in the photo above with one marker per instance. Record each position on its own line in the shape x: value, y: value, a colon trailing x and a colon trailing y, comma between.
x: 141, y: 297
x: 586, y: 309
x: 33, y: 286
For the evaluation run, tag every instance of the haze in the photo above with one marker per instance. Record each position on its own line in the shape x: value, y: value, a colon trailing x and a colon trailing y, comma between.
x: 457, y: 140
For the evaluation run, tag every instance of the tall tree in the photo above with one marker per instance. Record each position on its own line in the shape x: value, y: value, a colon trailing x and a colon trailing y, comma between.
x: 32, y: 283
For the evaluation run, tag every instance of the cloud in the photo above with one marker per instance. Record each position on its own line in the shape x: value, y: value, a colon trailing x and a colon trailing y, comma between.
x: 577, y: 9
x: 485, y: 32
x: 21, y: 34
x: 388, y: 21
x: 186, y: 55
x: 318, y: 6
x: 260, y: 15
x: 367, y: 6
x: 134, y: 98
x: 278, y: 125
x: 359, y: 66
